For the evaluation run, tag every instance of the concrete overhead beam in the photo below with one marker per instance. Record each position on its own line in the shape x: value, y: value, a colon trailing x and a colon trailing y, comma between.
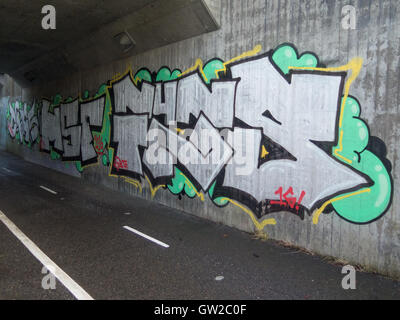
x: 157, y: 24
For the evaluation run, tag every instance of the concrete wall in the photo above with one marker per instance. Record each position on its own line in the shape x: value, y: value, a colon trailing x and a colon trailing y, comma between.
x: 3, y: 122
x: 353, y: 228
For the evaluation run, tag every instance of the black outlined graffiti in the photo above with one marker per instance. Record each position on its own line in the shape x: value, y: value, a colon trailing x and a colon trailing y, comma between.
x: 268, y: 132
x: 23, y: 121
x: 91, y: 116
x: 71, y: 130
x: 50, y: 130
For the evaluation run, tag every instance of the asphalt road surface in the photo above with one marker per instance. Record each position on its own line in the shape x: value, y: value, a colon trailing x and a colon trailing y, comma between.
x: 109, y: 245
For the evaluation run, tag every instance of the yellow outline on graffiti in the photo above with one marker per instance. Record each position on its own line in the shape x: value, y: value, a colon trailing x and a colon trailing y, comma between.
x: 340, y: 149
x: 155, y: 189
x: 190, y: 184
x: 355, y: 66
x: 256, y: 223
x: 135, y: 183
x: 246, y: 54
x: 322, y: 208
x: 199, y: 63
x: 264, y: 152
x: 198, y: 66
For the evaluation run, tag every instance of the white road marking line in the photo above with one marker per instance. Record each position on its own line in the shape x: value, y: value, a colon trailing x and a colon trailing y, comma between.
x: 147, y: 237
x: 8, y: 170
x: 66, y: 280
x: 47, y: 189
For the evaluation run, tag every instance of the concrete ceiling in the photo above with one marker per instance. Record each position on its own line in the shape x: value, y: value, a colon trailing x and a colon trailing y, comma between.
x: 85, y: 31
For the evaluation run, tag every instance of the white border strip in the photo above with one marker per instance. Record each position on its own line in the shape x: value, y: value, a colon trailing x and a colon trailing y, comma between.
x: 147, y: 237
x: 47, y: 189
x: 66, y: 280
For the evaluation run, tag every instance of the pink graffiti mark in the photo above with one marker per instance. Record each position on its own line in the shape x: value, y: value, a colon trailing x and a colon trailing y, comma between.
x: 98, y: 145
x: 41, y: 144
x: 120, y: 164
x: 285, y: 200
x: 11, y: 130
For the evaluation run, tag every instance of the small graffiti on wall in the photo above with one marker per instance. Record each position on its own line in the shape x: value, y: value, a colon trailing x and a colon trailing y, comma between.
x: 269, y: 132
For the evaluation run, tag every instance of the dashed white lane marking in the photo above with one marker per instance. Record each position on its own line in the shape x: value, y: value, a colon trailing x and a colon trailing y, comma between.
x: 147, y: 237
x: 48, y: 190
x: 66, y: 280
x: 10, y: 172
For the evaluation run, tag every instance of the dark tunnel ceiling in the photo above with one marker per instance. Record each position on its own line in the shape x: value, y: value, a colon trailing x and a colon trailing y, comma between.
x: 85, y: 31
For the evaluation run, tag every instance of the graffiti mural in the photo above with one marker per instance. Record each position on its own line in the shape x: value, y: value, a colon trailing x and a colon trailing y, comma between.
x: 267, y: 132
x: 23, y: 122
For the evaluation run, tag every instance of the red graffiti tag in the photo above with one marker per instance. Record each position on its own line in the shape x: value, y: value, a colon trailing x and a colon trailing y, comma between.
x: 120, y: 164
x: 285, y: 200
x: 11, y: 130
x: 98, y: 145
